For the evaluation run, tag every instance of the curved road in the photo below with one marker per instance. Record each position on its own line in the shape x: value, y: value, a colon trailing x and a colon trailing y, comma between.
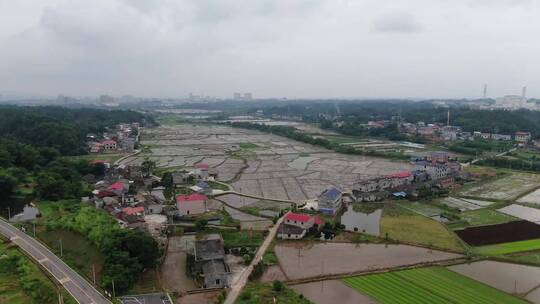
x: 80, y: 289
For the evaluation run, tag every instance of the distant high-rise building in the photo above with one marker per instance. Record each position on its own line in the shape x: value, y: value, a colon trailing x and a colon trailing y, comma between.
x: 485, y: 91
x: 524, y: 94
x: 237, y: 96
x: 248, y: 96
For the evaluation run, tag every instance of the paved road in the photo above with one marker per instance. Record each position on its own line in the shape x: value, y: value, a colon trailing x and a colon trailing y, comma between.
x: 82, y: 291
x: 237, y: 286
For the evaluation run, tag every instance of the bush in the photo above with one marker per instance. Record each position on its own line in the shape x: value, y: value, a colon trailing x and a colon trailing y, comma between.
x: 247, y: 259
x: 277, y: 286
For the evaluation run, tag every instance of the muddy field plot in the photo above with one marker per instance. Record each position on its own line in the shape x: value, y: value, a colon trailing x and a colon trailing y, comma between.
x: 505, y: 188
x: 258, y: 163
x: 301, y: 260
x: 499, y: 233
x: 331, y: 292
x: 512, y: 278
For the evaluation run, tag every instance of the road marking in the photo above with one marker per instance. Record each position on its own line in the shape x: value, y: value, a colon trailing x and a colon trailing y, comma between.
x: 14, y: 238
x: 64, y: 280
x: 43, y: 260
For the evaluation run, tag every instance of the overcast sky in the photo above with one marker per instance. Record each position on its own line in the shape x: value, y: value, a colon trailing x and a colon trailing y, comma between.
x: 272, y: 48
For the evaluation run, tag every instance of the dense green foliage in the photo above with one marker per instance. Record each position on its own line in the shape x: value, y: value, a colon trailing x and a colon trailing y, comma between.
x: 427, y: 285
x: 127, y: 252
x: 28, y: 276
x: 478, y: 146
x: 510, y: 163
x: 62, y: 129
x: 355, y: 113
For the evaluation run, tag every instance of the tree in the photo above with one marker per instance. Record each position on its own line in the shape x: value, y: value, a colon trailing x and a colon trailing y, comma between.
x: 200, y: 224
x: 277, y: 286
x: 7, y: 183
x: 148, y: 166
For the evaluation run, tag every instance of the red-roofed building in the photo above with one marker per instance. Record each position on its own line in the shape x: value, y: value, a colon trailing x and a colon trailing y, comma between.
x: 118, y: 188
x: 133, y: 210
x: 109, y: 145
x: 202, y: 166
x: 191, y: 204
x: 295, y: 225
x: 201, y: 169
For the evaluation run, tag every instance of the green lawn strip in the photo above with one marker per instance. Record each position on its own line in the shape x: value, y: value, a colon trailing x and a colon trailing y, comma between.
x: 511, y: 247
x: 248, y: 146
x: 428, y: 285
x: 439, y: 284
x: 385, y: 288
x: 456, y: 287
x: 532, y: 258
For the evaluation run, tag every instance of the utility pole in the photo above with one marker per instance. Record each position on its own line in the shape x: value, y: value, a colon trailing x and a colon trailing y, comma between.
x: 113, y: 291
x: 34, y: 224
x: 61, y: 249
x: 94, y: 272
x: 9, y: 213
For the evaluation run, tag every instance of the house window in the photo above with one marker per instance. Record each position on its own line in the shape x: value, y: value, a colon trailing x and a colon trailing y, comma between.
x: 289, y: 235
x: 217, y: 282
x: 188, y: 212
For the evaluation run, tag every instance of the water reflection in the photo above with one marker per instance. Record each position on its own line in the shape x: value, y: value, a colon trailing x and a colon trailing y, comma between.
x: 362, y: 222
x: 18, y: 209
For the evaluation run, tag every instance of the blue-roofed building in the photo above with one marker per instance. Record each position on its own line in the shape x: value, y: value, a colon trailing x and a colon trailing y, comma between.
x: 330, y: 201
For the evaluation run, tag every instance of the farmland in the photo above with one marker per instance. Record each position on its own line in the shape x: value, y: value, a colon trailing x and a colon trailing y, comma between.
x: 427, y: 285
x: 305, y: 259
x: 404, y: 225
x: 500, y: 233
x: 509, y: 187
x: 508, y: 277
x: 480, y: 217
x: 511, y: 247
x: 266, y: 165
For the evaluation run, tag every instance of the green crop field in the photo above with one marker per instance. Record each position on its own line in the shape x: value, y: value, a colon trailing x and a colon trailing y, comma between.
x: 511, y: 247
x: 427, y: 285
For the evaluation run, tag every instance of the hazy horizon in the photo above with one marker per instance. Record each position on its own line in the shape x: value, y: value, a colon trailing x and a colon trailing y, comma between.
x: 285, y: 48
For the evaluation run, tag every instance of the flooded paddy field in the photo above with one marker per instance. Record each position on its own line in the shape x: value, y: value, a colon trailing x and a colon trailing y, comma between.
x: 499, y: 233
x: 512, y: 278
x: 304, y: 260
x: 506, y: 188
x: 531, y: 198
x: 331, y: 292
x: 522, y: 212
x: 257, y: 163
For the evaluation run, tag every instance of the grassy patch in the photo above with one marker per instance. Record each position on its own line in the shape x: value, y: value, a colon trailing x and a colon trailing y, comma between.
x: 505, y: 248
x: 427, y: 285
x: 148, y: 282
x: 248, y: 146
x: 508, y: 187
x: 78, y: 252
x: 423, y: 208
x: 239, y: 238
x: 263, y: 294
x: 22, y: 282
x: 270, y: 258
x: 527, y: 258
x: 480, y: 217
x: 404, y: 225
x: 218, y: 186
x: 224, y: 217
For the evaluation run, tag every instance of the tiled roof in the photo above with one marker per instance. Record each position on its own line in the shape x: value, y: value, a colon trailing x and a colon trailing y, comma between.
x: 298, y: 217
x: 190, y: 198
x: 133, y: 210
x: 399, y: 174
x: 331, y: 194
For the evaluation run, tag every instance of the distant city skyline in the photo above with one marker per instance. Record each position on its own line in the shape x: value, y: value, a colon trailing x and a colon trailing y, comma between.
x: 282, y: 48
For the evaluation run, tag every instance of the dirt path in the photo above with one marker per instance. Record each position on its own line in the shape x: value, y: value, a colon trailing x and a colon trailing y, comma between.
x: 236, y: 287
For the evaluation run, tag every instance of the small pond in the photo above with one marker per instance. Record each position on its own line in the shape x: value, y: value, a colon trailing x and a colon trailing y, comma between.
x: 362, y: 222
x: 20, y: 209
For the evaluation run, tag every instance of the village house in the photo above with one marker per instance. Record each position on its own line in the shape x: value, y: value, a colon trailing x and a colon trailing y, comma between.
x: 296, y: 225
x: 192, y: 204
x: 330, y: 200
x: 181, y: 178
x: 202, y: 187
x: 109, y: 145
x: 207, y: 262
x: 501, y: 137
x: 201, y: 170
x: 522, y: 137
x: 485, y: 135
x: 96, y: 147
